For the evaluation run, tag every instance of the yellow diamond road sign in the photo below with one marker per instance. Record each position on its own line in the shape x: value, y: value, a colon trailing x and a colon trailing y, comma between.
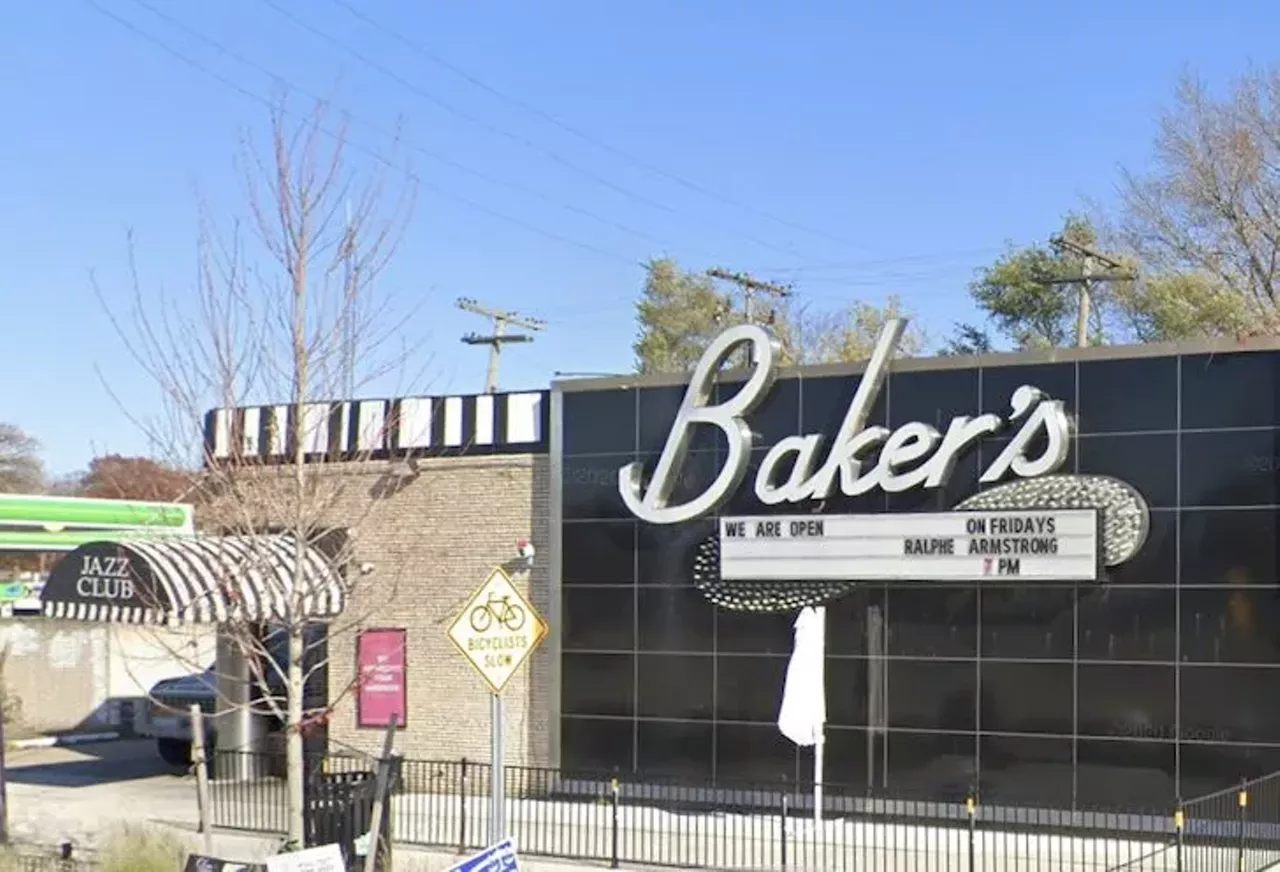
x: 497, y: 630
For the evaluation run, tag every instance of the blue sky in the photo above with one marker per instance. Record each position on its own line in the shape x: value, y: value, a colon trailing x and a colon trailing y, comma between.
x: 856, y: 149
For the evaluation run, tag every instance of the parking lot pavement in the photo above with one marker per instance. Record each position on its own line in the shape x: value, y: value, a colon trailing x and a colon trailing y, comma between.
x: 80, y: 793
x: 87, y: 764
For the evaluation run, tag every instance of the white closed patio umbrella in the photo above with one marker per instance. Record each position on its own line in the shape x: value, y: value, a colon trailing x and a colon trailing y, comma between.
x: 802, y: 717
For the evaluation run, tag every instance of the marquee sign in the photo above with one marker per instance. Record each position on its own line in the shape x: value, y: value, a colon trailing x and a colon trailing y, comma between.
x: 938, y: 546
x: 1122, y: 526
x: 914, y: 455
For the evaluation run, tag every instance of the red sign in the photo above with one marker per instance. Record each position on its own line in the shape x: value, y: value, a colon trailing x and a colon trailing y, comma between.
x: 380, y: 678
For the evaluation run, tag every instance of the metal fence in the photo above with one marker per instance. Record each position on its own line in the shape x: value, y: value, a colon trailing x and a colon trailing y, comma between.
x: 628, y: 821
x: 28, y: 859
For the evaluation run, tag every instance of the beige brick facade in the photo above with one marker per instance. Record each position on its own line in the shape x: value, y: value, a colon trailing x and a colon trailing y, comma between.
x: 431, y: 541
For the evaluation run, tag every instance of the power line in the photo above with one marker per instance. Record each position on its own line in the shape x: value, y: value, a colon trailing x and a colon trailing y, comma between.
x: 902, y: 260
x: 399, y: 168
x: 447, y: 161
x: 514, y: 137
x: 551, y: 119
x: 499, y: 337
x: 372, y: 153
x: 409, y: 174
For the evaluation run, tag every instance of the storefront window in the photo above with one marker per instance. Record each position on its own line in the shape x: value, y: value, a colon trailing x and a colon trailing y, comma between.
x: 692, y: 697
x: 683, y: 749
x: 598, y: 618
x: 674, y: 619
x: 597, y: 745
x: 1157, y: 562
x: 1128, y: 624
x: 657, y: 410
x: 604, y: 422
x: 597, y: 684
x: 1058, y: 380
x: 932, y: 397
x: 1147, y: 461
x: 824, y: 401
x: 589, y: 487
x: 598, y: 552
x: 1229, y: 546
x: 1128, y: 396
x: 1223, y: 391
x: 777, y: 416
x: 748, y: 753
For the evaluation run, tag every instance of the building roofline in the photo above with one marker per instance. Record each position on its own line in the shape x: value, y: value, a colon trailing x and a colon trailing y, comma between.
x: 1217, y: 345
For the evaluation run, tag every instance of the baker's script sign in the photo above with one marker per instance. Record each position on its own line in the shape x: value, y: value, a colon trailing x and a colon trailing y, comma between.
x: 914, y: 455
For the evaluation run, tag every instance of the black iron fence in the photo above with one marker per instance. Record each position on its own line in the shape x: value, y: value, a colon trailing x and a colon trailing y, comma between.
x: 34, y: 859
x: 42, y: 863
x: 624, y: 821
x: 1243, y: 822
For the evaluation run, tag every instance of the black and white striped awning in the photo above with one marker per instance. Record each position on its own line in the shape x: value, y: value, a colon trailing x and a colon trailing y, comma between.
x: 192, y: 580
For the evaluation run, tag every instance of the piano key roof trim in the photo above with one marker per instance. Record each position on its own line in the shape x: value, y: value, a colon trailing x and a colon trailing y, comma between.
x: 483, y: 424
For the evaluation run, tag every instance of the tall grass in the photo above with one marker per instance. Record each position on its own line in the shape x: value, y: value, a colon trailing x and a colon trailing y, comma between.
x: 10, y: 704
x: 135, y: 849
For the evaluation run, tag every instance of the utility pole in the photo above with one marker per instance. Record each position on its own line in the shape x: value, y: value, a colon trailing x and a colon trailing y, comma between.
x: 749, y: 287
x: 499, y: 337
x: 1118, y: 272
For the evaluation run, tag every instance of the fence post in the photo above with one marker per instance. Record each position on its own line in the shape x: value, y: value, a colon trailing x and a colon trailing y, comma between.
x: 782, y: 827
x: 613, y: 837
x: 1179, y: 819
x: 462, y: 807
x: 971, y: 811
x: 200, y: 761
x: 1244, y: 819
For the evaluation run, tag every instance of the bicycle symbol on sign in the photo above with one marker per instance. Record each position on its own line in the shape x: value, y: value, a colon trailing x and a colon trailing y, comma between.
x: 509, y: 615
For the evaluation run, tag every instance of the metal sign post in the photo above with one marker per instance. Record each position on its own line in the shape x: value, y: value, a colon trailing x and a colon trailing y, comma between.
x: 497, y: 631
x: 382, y: 782
x: 498, y: 776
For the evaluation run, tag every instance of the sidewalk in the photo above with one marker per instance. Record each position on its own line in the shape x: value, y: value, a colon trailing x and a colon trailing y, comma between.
x: 61, y: 794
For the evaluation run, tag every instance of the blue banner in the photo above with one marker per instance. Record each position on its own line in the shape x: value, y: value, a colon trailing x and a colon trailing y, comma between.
x: 496, y: 858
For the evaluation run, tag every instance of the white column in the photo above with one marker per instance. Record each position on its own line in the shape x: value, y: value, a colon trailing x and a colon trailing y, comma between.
x: 239, y: 728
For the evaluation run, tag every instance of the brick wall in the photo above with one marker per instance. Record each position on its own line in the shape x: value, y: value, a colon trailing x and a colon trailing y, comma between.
x: 432, y: 541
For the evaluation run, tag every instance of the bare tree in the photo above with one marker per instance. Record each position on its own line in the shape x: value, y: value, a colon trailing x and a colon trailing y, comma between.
x: 812, y: 336
x: 20, y: 468
x: 287, y: 308
x: 119, y: 477
x: 1210, y: 205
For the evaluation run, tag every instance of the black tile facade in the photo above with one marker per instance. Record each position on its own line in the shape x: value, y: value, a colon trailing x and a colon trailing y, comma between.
x: 1155, y: 682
